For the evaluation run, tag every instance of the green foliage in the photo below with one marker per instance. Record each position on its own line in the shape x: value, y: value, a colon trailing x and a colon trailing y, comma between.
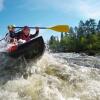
x: 83, y: 38
x: 53, y: 43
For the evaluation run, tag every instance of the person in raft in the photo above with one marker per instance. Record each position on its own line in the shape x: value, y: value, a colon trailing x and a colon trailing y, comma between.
x: 24, y: 35
x: 10, y: 36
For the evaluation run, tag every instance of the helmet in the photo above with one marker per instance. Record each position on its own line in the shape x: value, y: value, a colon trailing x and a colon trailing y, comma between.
x: 11, y: 26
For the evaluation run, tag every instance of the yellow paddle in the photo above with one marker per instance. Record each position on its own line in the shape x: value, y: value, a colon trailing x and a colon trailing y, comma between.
x: 58, y: 28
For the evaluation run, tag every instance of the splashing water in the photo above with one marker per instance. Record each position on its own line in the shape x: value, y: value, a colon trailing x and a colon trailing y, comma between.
x: 3, y: 45
x: 54, y: 77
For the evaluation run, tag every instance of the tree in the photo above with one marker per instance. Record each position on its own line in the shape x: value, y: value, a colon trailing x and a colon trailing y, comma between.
x: 53, y: 43
x: 62, y: 35
x: 81, y: 28
x: 90, y: 26
x: 83, y: 38
x: 98, y: 27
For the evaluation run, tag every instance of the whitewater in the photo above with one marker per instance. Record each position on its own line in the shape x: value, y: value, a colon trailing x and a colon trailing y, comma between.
x: 56, y: 76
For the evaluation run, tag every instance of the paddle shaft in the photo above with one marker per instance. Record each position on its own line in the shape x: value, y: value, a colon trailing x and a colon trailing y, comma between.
x: 33, y: 27
x: 2, y: 39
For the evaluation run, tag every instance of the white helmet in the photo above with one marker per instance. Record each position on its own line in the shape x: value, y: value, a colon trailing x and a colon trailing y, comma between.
x: 11, y: 26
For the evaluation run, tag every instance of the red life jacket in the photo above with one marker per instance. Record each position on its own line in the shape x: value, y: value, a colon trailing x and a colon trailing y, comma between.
x: 24, y: 37
x: 12, y: 49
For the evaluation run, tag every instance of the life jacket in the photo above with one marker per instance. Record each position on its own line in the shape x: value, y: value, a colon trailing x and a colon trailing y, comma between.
x: 12, y: 48
x: 24, y: 37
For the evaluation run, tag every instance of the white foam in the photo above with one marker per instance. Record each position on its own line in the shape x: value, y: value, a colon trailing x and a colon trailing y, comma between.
x: 54, y: 79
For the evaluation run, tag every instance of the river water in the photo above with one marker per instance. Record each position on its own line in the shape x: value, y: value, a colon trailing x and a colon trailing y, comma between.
x: 59, y: 76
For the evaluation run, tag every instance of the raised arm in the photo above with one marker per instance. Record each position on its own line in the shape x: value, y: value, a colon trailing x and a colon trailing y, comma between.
x: 36, y: 33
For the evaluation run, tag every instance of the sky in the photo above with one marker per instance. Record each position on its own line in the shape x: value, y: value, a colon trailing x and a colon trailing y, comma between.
x: 46, y: 13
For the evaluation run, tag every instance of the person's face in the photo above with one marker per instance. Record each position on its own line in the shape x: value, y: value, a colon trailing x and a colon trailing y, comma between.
x: 11, y: 29
x: 26, y: 31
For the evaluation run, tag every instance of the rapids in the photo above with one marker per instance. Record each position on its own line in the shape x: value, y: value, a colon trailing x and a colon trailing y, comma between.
x: 59, y: 76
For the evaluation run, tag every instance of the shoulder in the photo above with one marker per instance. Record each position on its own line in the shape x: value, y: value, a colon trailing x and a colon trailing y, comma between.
x: 19, y: 33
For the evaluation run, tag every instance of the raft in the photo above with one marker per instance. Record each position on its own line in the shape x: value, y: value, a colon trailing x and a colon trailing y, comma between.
x: 32, y: 49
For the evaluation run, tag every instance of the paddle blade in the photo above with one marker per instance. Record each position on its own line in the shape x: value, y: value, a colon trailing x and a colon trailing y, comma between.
x: 60, y: 28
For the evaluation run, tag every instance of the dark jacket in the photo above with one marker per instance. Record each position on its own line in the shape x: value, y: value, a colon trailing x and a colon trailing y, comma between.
x: 9, y: 37
x: 11, y: 34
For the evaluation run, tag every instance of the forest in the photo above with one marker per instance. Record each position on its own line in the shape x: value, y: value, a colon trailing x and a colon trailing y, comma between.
x: 84, y: 38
